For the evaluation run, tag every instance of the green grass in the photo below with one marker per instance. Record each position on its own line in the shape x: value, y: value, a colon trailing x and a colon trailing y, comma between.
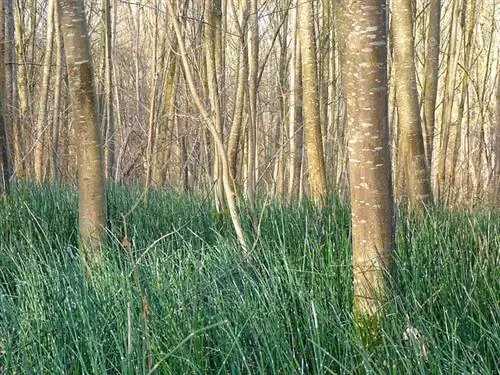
x: 210, y: 312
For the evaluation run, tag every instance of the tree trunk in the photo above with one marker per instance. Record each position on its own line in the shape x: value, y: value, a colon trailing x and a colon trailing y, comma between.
x: 226, y: 178
x: 41, y: 124
x: 412, y: 153
x: 92, y: 202
x: 310, y: 97
x: 496, y: 176
x: 253, y: 68
x: 364, y: 75
x: 5, y: 172
x: 295, y: 126
x: 448, y: 100
x: 108, y: 118
x: 429, y: 94
x: 54, y: 152
x: 213, y: 57
x: 21, y: 78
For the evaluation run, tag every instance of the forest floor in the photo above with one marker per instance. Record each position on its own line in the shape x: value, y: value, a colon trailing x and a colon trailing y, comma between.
x: 179, y: 297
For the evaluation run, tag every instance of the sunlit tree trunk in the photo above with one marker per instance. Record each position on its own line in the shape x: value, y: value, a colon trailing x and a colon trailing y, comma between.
x: 468, y: 40
x: 364, y: 75
x: 448, y: 99
x: 313, y: 141
x: 41, y: 140
x: 22, y: 168
x: 108, y: 117
x: 295, y: 126
x: 234, y: 140
x: 213, y: 60
x: 281, y: 128
x: 55, y: 158
x: 496, y: 176
x: 152, y: 118
x: 166, y: 126
x: 253, y: 67
x: 92, y: 202
x: 4, y: 150
x: 429, y: 94
x: 229, y: 192
x: 412, y: 153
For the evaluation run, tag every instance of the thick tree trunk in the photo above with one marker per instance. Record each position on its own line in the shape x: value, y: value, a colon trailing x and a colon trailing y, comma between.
x: 364, y: 74
x: 92, y: 203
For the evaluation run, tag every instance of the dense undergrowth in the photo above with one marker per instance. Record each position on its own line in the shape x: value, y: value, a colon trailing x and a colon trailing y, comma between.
x: 182, y: 299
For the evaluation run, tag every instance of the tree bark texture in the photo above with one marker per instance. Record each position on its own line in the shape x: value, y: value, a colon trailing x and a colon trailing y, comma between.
x: 417, y: 184
x: 92, y: 205
x: 310, y: 95
x: 430, y: 90
x: 364, y: 75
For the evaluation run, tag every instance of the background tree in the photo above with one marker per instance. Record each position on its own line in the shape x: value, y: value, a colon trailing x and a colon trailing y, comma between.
x: 92, y: 202
x: 364, y: 76
x: 457, y: 96
x: 312, y: 127
x: 5, y: 172
x: 430, y: 89
x: 413, y: 171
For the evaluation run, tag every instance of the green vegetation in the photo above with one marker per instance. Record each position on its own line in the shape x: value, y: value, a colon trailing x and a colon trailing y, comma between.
x: 183, y: 298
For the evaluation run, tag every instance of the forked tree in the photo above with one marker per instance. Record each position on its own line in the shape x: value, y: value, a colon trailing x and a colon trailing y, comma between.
x: 92, y: 205
x: 364, y: 75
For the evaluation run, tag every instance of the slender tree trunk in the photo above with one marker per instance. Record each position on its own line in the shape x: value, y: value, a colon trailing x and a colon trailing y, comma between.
x: 448, y: 100
x: 166, y: 126
x: 295, y: 126
x: 237, y: 123
x: 54, y: 151
x: 279, y: 170
x: 364, y: 75
x: 226, y: 178
x: 5, y: 172
x: 212, y: 58
x: 92, y: 201
x: 496, y: 176
x: 417, y: 181
x: 429, y: 94
x: 466, y: 66
x: 41, y: 124
x: 21, y: 78
x: 150, y: 158
x: 310, y: 96
x: 108, y: 118
x: 253, y: 70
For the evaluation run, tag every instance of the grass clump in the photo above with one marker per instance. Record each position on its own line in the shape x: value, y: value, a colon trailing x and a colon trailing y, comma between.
x: 182, y: 298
